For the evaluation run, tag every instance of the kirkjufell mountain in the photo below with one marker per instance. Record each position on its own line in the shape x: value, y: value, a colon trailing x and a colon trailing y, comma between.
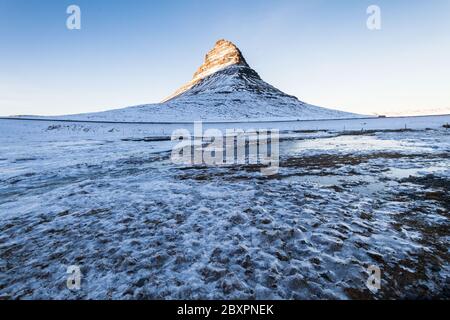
x: 226, y: 88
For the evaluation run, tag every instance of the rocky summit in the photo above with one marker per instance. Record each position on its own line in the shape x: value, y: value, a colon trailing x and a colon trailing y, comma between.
x: 224, y: 54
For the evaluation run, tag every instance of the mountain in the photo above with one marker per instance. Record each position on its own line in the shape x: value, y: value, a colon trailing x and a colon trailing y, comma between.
x: 225, y: 87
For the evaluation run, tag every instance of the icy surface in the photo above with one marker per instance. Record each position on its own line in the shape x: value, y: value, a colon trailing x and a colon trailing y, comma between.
x: 142, y: 228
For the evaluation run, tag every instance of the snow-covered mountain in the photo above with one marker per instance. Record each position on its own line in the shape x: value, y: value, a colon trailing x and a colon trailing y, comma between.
x: 225, y: 87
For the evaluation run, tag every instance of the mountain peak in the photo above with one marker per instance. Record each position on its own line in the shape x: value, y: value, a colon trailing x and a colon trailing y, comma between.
x: 224, y: 54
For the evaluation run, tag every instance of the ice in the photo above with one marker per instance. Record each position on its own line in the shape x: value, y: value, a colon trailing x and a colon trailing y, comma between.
x: 141, y: 227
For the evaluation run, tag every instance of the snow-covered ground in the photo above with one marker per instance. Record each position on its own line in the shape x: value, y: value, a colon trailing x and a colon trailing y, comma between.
x: 106, y: 197
x: 234, y: 93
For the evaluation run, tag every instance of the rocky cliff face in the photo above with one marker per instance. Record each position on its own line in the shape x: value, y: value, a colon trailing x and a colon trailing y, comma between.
x: 223, y: 54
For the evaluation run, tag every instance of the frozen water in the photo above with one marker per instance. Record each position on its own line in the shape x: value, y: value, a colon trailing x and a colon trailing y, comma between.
x: 142, y: 228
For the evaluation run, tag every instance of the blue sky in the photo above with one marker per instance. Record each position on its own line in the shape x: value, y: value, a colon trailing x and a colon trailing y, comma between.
x: 133, y: 52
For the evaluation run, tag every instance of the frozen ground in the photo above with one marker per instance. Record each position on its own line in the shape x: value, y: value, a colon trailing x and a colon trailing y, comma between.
x: 142, y: 228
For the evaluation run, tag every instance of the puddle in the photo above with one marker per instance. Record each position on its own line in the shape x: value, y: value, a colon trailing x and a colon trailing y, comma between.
x: 403, y: 173
x: 353, y: 144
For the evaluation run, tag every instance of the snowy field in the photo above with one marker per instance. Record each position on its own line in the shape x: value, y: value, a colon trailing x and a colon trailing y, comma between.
x: 106, y: 197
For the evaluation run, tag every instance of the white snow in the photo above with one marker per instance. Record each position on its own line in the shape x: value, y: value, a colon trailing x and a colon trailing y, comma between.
x: 235, y: 93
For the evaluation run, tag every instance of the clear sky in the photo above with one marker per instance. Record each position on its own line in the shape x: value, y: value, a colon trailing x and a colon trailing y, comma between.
x: 131, y: 52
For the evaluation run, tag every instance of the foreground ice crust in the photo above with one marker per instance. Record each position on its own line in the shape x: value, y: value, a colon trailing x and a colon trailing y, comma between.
x: 142, y: 228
